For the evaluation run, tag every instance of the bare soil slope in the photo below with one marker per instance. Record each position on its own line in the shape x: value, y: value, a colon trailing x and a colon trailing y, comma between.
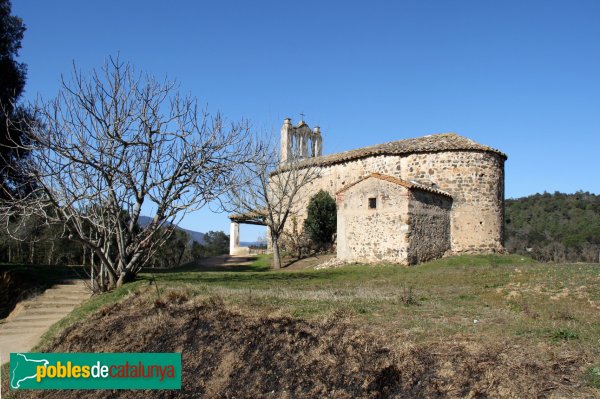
x: 226, y: 354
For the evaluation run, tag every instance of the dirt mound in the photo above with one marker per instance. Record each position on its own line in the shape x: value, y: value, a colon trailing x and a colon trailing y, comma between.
x: 229, y: 355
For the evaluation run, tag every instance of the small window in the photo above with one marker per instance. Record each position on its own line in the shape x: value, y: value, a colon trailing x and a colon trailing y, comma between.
x: 372, y: 203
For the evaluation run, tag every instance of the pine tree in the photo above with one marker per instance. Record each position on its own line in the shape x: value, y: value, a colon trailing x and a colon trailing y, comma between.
x: 12, y: 84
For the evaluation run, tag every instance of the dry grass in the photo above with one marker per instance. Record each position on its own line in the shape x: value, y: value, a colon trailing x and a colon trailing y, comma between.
x: 484, y: 298
x: 471, y: 326
x: 229, y: 354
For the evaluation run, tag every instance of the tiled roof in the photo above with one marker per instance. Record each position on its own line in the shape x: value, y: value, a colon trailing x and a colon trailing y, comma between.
x: 400, y: 182
x: 252, y: 217
x: 432, y: 143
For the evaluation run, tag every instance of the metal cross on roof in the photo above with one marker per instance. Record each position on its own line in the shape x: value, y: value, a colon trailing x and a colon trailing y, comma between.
x: 302, y: 116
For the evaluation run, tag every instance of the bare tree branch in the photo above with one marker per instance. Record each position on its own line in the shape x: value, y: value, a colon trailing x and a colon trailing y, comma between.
x: 116, y: 142
x: 267, y: 188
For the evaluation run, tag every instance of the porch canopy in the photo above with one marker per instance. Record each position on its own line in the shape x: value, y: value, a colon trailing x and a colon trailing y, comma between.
x: 254, y: 217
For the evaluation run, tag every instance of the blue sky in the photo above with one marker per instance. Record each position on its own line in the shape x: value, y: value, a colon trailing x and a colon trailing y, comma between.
x: 520, y: 76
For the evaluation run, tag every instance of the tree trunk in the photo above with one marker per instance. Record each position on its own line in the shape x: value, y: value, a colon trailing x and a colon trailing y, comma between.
x: 92, y: 276
x: 101, y: 276
x: 125, y: 277
x: 276, y: 256
x: 180, y: 257
x: 111, y: 281
x: 51, y: 252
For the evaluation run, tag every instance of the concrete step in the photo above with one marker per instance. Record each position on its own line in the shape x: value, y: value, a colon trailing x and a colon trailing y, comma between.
x: 26, y: 318
x: 77, y: 290
x: 32, y: 321
x: 24, y: 331
x: 62, y: 298
x: 53, y: 292
x: 33, y: 312
x: 50, y: 304
x: 75, y: 281
x: 47, y: 315
x: 59, y: 298
x: 69, y: 287
x: 26, y: 325
x: 32, y: 317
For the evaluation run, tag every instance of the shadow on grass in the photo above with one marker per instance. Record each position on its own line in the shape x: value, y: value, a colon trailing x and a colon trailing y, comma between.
x: 292, y: 261
x: 208, y: 268
x: 241, y: 277
x: 255, y: 271
x: 49, y: 273
x: 223, y: 263
x: 226, y: 278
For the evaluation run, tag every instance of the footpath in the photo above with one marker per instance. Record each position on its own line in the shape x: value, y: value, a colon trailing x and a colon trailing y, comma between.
x: 22, y: 329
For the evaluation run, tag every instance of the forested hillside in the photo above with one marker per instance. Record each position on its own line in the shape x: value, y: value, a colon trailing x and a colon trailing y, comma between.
x: 554, y: 227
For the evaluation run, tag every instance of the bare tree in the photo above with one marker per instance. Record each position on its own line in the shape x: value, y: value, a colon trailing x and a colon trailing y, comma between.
x: 116, y: 143
x: 271, y: 191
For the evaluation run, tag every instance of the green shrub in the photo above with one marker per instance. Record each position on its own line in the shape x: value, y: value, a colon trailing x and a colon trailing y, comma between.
x: 321, y: 222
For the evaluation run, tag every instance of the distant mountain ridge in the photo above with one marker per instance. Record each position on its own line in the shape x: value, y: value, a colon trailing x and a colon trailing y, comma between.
x: 144, y: 221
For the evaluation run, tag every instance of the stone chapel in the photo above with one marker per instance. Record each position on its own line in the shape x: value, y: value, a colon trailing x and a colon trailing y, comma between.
x: 406, y: 201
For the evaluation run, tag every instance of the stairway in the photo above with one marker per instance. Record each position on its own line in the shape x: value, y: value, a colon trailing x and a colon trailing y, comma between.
x: 22, y: 329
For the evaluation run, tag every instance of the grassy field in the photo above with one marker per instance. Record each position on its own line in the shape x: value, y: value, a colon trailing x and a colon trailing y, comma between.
x: 482, y: 297
x: 550, y: 312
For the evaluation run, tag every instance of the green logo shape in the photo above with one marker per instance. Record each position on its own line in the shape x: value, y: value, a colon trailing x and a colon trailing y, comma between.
x: 95, y: 371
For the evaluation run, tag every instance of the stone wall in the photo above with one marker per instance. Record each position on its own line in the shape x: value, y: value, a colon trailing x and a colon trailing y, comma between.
x: 373, y: 235
x: 429, y: 220
x: 474, y: 179
x: 335, y: 177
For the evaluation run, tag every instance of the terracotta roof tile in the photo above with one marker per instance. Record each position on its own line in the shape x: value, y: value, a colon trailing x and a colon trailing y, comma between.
x: 252, y: 217
x: 400, y: 182
x: 430, y: 143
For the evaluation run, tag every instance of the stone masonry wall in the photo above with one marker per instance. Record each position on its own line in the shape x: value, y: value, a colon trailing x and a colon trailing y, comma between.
x: 335, y: 177
x: 429, y: 219
x: 373, y: 235
x: 474, y: 179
